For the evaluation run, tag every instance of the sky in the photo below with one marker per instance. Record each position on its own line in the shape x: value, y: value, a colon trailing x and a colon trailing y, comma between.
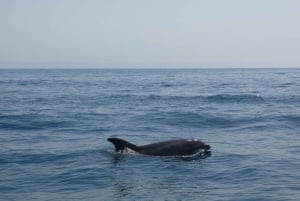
x: 149, y: 33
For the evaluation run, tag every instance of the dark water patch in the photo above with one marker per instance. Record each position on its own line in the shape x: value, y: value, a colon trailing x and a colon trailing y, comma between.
x: 291, y: 119
x: 285, y: 85
x: 4, y: 188
x: 163, y: 85
x: 31, y: 82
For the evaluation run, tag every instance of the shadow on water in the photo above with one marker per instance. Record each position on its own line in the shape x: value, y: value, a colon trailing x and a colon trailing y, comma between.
x: 120, y: 157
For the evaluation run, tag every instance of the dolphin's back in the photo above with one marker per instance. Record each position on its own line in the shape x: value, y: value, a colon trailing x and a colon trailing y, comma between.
x: 167, y: 148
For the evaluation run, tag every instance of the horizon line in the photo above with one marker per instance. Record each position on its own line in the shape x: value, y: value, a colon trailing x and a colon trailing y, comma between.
x: 138, y: 68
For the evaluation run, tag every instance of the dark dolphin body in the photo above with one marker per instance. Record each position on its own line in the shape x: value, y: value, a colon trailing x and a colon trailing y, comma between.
x: 181, y: 147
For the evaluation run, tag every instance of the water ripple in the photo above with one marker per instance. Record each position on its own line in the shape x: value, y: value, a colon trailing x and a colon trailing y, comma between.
x: 54, y: 125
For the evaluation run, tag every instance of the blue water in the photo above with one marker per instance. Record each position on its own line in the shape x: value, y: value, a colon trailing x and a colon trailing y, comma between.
x: 54, y: 125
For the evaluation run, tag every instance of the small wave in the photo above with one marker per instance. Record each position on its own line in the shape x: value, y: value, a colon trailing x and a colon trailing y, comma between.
x: 32, y: 125
x: 23, y: 158
x: 188, y: 119
x: 224, y: 98
x: 36, y: 158
x: 285, y: 99
x: 219, y: 98
x: 285, y: 85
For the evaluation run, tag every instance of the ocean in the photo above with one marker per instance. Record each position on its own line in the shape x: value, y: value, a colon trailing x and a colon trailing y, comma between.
x: 54, y: 125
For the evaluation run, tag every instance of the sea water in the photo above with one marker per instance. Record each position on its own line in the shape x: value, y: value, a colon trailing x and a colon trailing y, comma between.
x: 54, y: 125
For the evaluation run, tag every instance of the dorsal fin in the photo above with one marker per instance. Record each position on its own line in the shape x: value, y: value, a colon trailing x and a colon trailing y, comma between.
x: 121, y: 144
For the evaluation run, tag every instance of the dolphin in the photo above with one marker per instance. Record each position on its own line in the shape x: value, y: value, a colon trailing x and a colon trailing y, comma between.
x: 179, y: 147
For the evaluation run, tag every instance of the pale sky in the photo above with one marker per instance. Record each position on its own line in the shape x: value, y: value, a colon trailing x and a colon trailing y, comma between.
x: 149, y: 33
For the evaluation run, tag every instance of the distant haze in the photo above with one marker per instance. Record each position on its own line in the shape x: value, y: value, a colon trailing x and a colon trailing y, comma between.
x: 149, y: 33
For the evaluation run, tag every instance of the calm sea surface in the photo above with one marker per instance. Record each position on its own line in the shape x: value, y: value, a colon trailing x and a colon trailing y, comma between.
x: 54, y: 125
